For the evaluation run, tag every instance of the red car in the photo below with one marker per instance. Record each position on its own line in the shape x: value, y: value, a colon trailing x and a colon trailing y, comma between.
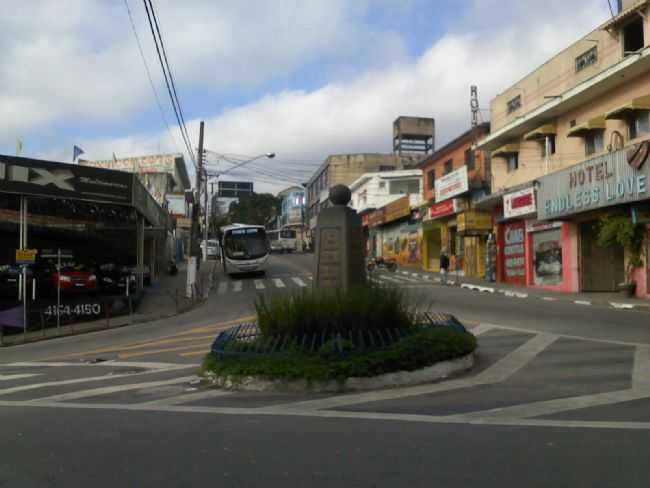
x: 74, y: 278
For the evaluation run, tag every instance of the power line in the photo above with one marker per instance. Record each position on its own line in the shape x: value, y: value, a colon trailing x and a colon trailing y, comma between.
x: 181, y: 126
x: 151, y: 83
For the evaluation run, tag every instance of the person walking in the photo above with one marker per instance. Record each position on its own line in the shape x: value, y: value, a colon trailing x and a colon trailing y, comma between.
x: 444, y: 267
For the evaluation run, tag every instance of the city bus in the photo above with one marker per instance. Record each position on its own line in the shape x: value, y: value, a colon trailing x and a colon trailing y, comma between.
x: 244, y: 248
x: 283, y: 240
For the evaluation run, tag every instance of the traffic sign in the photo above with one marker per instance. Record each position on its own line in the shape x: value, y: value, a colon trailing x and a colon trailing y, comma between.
x: 25, y: 256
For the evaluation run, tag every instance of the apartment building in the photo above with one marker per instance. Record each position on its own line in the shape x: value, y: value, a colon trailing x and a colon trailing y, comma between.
x: 455, y: 177
x: 568, y: 145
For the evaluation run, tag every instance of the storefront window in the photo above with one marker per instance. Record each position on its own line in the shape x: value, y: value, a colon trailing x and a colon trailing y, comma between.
x: 547, y: 256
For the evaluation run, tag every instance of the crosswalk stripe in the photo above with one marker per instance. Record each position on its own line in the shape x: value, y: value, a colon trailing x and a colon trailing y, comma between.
x: 189, y: 397
x: 298, y: 281
x: 259, y: 285
x: 278, y: 283
x: 9, y: 377
x: 223, y: 288
x: 237, y: 286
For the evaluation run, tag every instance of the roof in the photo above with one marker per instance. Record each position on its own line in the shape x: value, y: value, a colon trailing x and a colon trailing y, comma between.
x: 454, y: 143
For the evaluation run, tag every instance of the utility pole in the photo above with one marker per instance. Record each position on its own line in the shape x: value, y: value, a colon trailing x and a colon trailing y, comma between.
x: 205, y: 219
x: 192, y: 265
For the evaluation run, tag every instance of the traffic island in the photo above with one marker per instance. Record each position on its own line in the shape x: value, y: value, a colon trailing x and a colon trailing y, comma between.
x: 335, y: 341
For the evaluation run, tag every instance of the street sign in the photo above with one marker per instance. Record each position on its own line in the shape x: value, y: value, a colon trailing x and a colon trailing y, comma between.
x: 25, y: 256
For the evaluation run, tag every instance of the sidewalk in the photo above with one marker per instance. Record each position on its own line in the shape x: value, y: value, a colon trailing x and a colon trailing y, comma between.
x: 608, y: 299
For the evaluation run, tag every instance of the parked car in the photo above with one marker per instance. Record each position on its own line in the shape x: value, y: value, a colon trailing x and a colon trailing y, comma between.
x: 213, y: 250
x: 9, y: 280
x: 74, y: 277
x: 114, y: 277
x: 146, y: 274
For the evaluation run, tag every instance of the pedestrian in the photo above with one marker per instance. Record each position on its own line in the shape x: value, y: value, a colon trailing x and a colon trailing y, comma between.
x: 444, y: 267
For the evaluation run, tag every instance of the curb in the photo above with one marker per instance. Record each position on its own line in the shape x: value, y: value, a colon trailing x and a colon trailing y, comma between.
x: 436, y: 372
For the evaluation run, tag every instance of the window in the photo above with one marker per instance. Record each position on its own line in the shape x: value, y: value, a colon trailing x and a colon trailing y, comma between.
x: 633, y: 37
x: 594, y: 142
x: 639, y: 123
x: 587, y: 59
x: 413, y: 187
x: 386, y: 168
x: 431, y: 179
x: 449, y: 166
x: 514, y: 104
x: 382, y: 184
x: 470, y: 159
x: 551, y: 145
x: 513, y: 161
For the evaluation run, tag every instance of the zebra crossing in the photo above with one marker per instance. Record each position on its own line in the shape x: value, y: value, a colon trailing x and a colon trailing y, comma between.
x: 259, y: 285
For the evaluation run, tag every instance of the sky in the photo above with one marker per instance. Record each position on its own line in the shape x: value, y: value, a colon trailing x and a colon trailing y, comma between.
x: 300, y: 78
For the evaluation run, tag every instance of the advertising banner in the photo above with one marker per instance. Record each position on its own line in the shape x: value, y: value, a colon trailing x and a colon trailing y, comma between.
x: 452, y: 184
x: 599, y: 182
x: 519, y: 203
x: 547, y: 256
x: 474, y: 221
x: 514, y: 253
x: 397, y: 209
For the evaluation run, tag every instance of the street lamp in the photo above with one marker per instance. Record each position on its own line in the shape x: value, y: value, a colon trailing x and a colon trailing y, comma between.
x: 207, y: 175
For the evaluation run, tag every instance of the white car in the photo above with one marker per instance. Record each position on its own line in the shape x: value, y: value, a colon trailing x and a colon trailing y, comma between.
x: 213, y: 249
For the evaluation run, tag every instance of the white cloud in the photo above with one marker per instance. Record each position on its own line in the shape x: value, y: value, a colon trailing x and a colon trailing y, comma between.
x: 492, y: 47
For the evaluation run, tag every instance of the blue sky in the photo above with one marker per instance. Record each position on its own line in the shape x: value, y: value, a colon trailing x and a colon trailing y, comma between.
x: 303, y: 79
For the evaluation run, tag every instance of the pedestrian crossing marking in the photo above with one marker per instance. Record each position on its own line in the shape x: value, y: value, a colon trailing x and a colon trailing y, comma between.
x: 18, y: 376
x: 223, y: 288
x: 237, y: 286
x: 278, y: 283
x: 299, y: 282
x: 259, y: 285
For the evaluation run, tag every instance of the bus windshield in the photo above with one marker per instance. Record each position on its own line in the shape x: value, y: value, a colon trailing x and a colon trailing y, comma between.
x: 246, y: 243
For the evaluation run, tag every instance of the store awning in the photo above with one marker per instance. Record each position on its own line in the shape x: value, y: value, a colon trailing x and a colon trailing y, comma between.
x: 597, y: 123
x: 541, y: 132
x: 624, y: 111
x: 507, y: 149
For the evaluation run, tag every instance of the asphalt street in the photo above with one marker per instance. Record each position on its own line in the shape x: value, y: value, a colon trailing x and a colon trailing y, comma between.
x: 559, y: 395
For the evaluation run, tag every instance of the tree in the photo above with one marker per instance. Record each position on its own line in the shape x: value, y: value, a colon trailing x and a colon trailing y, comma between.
x: 255, y: 209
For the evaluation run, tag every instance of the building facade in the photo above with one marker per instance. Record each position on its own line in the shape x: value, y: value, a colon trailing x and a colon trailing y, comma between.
x: 455, y: 177
x: 569, y: 145
x: 388, y: 203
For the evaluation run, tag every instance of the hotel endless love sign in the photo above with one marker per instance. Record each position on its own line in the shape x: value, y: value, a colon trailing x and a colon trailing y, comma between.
x: 600, y: 182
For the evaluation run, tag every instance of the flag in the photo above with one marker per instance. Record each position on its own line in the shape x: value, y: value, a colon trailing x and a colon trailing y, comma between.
x: 19, y: 147
x: 76, y: 152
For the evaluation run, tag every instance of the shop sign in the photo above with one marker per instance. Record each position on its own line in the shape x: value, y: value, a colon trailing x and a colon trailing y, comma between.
x: 397, y: 209
x: 25, y: 256
x: 452, y: 184
x: 442, y: 209
x: 599, y: 182
x: 519, y: 203
x: 376, y: 218
x: 514, y: 252
x: 537, y: 226
x: 49, y: 179
x: 183, y: 222
x: 474, y: 221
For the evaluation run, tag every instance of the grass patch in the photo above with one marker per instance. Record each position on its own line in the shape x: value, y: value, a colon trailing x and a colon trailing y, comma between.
x: 417, y: 351
x: 357, y: 309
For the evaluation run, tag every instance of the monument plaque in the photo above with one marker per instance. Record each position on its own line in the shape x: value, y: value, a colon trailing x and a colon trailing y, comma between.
x: 339, y: 244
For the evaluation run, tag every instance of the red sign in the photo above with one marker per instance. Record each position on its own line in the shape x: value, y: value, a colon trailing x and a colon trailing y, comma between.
x: 514, y: 253
x: 442, y: 209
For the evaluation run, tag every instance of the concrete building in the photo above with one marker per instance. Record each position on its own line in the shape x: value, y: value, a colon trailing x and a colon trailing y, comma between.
x: 561, y: 141
x: 388, y: 203
x: 344, y: 169
x: 414, y: 135
x: 456, y: 176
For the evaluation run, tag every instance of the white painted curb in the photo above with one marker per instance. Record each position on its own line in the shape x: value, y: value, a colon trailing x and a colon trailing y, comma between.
x: 436, y: 372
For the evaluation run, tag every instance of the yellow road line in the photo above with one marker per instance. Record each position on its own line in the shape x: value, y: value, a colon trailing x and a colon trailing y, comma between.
x: 139, y: 344
x: 156, y: 351
x: 202, y: 352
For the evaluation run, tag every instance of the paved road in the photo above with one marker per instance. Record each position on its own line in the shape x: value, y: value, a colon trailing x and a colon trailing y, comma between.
x: 560, y: 395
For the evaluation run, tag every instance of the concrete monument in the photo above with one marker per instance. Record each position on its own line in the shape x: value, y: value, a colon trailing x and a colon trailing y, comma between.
x: 339, y: 244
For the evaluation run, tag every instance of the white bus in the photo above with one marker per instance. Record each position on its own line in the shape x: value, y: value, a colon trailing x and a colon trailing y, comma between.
x: 283, y: 240
x: 244, y: 248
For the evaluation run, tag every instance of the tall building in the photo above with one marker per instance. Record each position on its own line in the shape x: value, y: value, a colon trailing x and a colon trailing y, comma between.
x: 569, y: 145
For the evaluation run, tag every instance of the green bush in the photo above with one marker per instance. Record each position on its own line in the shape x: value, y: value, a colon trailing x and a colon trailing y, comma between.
x: 314, y: 311
x: 413, y: 352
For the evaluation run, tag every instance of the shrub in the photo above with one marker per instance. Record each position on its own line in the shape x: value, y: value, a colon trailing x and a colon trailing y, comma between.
x: 413, y: 352
x: 361, y: 308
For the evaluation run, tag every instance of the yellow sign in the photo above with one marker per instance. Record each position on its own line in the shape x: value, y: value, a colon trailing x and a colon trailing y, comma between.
x: 397, y: 209
x: 183, y: 222
x: 473, y: 221
x: 25, y: 256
